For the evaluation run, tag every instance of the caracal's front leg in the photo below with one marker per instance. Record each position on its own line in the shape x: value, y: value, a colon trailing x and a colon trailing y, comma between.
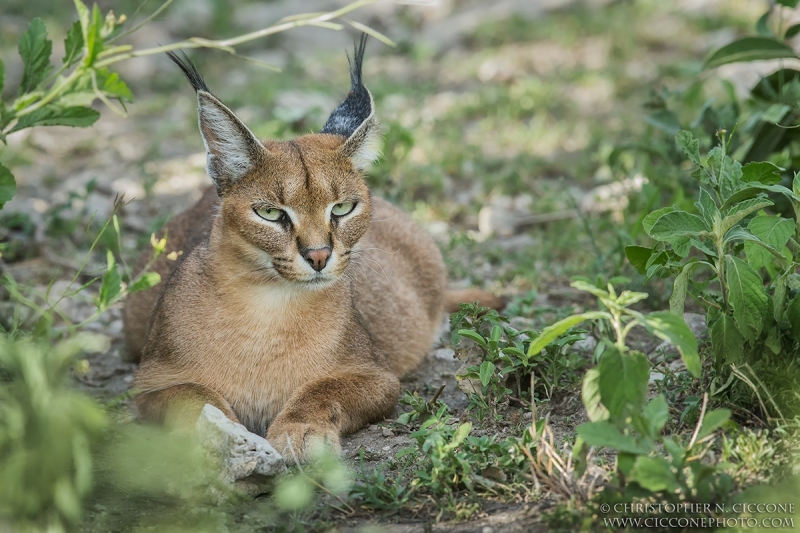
x: 319, y: 412
x: 180, y: 405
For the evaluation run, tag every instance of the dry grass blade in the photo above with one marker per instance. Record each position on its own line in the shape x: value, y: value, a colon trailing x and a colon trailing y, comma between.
x: 372, y: 33
x: 555, y: 469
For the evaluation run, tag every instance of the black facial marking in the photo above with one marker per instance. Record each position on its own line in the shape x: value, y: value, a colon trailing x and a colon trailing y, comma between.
x: 302, y: 162
x: 357, y: 107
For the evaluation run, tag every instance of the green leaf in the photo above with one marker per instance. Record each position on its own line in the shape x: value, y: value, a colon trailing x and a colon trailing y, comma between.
x: 94, y: 41
x: 775, y: 113
x: 791, y: 31
x: 749, y: 49
x: 678, y: 224
x: 459, y: 436
x: 707, y: 208
x: 144, y: 282
x: 656, y: 413
x: 622, y: 382
x: 54, y: 115
x: 551, y: 333
x: 638, y: 257
x: 34, y: 49
x: 762, y: 26
x: 762, y: 172
x: 625, y: 462
x: 793, y: 316
x: 665, y: 120
x: 2, y: 79
x: 605, y: 434
x: 779, y: 296
x: 486, y: 372
x: 746, y: 296
x: 652, y: 218
x: 727, y: 344
x: 676, y: 452
x: 755, y: 189
x: 742, y: 210
x: 73, y: 44
x: 111, y: 84
x: 111, y: 284
x: 796, y: 185
x: 740, y: 234
x: 677, y: 299
x: 470, y: 334
x: 773, y: 341
x: 83, y: 18
x: 8, y: 185
x: 590, y: 394
x: 689, y: 145
x: 788, y: 3
x: 654, y: 474
x: 712, y: 421
x: 91, y: 26
x: 772, y: 230
x: 673, y: 329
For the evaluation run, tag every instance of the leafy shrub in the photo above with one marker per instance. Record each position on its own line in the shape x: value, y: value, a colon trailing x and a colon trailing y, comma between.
x: 506, y: 362
x: 615, y: 393
x: 46, y: 433
x: 737, y: 245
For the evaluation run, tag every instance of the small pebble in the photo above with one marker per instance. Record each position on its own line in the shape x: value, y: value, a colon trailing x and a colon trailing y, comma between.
x: 386, y: 432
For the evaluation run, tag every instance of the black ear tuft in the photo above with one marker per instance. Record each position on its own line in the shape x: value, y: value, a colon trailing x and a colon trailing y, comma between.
x: 189, y: 70
x: 357, y: 107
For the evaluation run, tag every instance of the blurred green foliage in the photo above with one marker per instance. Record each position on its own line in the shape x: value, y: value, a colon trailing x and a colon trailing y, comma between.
x: 47, y: 432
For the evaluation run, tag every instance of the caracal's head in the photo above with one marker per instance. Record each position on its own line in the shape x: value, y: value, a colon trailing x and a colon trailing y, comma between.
x: 292, y: 211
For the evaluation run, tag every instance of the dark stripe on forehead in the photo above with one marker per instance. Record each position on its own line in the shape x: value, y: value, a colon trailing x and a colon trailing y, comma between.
x: 277, y: 189
x: 303, y: 162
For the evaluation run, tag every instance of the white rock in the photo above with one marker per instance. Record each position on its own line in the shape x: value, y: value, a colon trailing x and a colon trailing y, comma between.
x: 445, y: 354
x: 246, y: 460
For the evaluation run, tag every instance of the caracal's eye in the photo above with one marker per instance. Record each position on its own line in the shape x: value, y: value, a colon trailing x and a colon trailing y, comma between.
x: 340, y: 210
x: 271, y: 214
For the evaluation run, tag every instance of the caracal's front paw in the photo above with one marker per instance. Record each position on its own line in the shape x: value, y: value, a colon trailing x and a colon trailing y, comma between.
x: 302, y: 440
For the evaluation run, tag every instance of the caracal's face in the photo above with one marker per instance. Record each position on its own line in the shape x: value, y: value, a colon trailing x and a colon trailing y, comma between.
x: 300, y: 213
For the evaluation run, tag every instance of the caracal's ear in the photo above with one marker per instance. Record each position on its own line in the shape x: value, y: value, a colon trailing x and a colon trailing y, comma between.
x: 354, y: 119
x: 232, y: 150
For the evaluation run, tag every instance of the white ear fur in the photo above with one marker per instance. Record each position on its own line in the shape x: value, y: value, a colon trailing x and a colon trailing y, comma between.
x: 367, y: 150
x: 232, y: 150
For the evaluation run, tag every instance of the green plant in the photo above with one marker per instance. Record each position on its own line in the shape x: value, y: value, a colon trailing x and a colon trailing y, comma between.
x: 615, y: 393
x: 37, y: 313
x: 46, y: 433
x: 506, y: 364
x: 737, y: 240
x: 450, y: 460
x: 377, y: 491
x: 421, y: 409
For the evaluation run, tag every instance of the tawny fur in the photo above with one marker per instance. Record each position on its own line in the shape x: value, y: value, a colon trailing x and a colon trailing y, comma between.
x: 241, y: 322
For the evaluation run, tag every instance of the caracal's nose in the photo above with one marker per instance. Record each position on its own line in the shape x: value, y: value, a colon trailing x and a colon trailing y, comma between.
x: 317, y: 257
